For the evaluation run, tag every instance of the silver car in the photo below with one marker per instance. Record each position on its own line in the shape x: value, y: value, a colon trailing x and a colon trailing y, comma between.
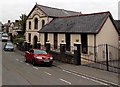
x: 8, y: 46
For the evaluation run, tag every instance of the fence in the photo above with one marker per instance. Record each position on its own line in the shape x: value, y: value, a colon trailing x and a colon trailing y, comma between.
x: 105, y: 57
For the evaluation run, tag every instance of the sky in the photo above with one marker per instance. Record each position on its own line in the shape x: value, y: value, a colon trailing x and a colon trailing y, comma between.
x: 12, y: 9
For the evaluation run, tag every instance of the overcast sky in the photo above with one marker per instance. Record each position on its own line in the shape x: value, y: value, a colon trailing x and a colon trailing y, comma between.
x: 12, y: 9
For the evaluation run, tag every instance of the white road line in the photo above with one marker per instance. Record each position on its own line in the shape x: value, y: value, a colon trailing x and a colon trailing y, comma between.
x: 96, y: 78
x: 66, y: 71
x: 21, y: 61
x: 48, y: 73
x: 85, y: 77
x: 35, y: 68
x: 17, y: 59
x: 65, y: 81
x: 27, y: 64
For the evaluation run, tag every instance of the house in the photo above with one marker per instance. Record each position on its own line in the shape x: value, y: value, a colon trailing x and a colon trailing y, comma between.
x: 14, y: 28
x: 117, y: 22
x: 91, y: 30
x: 6, y: 26
x: 0, y: 26
x: 38, y: 17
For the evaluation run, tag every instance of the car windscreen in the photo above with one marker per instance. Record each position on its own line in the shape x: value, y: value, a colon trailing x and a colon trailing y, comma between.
x: 39, y: 52
x: 10, y: 44
x: 4, y: 36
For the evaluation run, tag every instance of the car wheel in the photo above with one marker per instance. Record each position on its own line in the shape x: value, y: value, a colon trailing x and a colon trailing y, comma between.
x: 34, y: 62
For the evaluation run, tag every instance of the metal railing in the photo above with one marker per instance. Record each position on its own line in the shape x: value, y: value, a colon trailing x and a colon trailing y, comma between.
x: 104, y: 57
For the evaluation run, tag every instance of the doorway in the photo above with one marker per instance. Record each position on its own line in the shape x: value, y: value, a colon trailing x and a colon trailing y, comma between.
x: 35, y: 42
x: 55, y: 41
x: 46, y: 38
x: 84, y: 43
x: 67, y: 41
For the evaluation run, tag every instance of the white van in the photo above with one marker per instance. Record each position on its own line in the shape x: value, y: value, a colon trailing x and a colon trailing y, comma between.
x: 5, y: 37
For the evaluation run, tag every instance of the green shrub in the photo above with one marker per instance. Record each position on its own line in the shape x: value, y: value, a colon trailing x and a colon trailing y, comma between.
x: 19, y: 43
x: 18, y: 40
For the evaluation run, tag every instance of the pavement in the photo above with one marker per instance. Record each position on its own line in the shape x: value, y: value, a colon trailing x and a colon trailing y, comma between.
x: 96, y: 74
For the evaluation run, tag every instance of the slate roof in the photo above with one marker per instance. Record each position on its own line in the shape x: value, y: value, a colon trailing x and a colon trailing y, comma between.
x: 117, y: 22
x: 86, y: 23
x: 54, y: 12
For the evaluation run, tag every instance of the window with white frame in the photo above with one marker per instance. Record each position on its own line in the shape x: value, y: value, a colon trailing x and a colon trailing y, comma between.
x: 36, y: 23
x: 29, y: 24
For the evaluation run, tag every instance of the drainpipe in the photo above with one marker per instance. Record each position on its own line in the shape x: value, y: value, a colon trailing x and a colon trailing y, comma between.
x: 95, y: 47
x: 39, y: 36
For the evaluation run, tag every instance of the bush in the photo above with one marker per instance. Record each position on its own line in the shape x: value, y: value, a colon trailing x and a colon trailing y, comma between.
x: 19, y: 43
x: 18, y: 40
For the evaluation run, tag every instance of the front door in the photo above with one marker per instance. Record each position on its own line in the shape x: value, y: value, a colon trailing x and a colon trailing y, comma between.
x: 84, y: 43
x: 46, y: 38
x: 68, y: 42
x: 35, y: 41
x: 55, y: 41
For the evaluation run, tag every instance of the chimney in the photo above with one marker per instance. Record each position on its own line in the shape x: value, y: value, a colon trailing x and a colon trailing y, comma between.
x: 8, y: 21
x: 16, y: 21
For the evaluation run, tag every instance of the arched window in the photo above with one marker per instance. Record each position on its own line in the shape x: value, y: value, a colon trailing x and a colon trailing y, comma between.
x: 43, y: 23
x: 36, y: 23
x: 29, y: 24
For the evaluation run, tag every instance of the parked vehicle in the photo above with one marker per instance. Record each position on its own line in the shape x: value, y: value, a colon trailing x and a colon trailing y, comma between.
x: 8, y: 46
x: 5, y: 37
x: 37, y: 56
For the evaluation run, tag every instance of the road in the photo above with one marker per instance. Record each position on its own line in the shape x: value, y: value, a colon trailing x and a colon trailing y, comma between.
x: 17, y: 72
x: 0, y: 60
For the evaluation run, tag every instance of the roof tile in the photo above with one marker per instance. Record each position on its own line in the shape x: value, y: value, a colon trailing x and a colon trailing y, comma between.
x: 55, y: 12
x: 77, y: 24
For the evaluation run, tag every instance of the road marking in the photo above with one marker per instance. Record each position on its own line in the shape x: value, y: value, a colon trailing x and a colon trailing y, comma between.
x: 35, y: 68
x: 48, y: 73
x: 21, y: 61
x: 66, y: 71
x: 27, y: 64
x: 96, y: 78
x: 65, y: 81
x: 17, y: 59
x: 85, y: 77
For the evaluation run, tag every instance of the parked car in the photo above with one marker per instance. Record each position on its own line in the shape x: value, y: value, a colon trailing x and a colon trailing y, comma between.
x: 8, y: 46
x: 37, y: 56
x: 5, y: 37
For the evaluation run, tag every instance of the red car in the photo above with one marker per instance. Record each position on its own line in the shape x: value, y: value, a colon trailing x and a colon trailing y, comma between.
x: 37, y: 56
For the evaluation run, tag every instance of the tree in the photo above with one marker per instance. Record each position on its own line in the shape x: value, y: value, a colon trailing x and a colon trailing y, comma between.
x: 23, y: 19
